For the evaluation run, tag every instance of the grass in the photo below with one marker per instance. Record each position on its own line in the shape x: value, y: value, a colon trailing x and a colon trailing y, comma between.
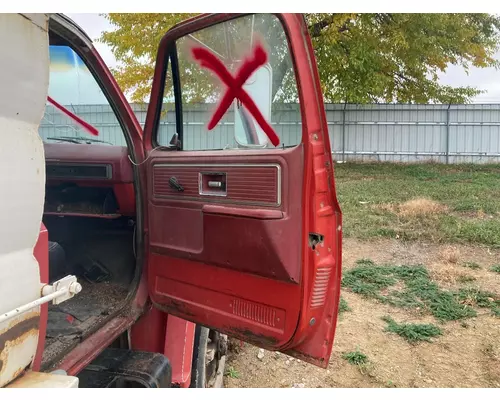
x: 479, y: 298
x: 471, y: 265
x: 343, y: 306
x: 465, y: 279
x: 406, y: 286
x: 412, y: 332
x: 440, y: 203
x: 232, y: 373
x: 495, y: 268
x: 355, y: 357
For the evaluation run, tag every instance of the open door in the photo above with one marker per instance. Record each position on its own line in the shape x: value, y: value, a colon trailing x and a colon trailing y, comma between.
x: 244, y: 229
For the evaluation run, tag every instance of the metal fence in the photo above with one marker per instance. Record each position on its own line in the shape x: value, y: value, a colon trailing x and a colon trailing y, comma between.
x: 381, y: 132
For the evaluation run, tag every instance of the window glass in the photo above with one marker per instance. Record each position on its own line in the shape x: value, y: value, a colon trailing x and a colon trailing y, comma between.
x: 272, y: 87
x: 76, y: 106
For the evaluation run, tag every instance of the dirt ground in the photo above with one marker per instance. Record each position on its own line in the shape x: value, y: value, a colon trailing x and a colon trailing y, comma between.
x: 466, y: 355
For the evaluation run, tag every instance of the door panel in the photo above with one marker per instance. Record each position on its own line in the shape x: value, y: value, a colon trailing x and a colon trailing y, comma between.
x: 254, y: 228
x: 244, y: 241
x: 249, y: 184
x: 232, y: 302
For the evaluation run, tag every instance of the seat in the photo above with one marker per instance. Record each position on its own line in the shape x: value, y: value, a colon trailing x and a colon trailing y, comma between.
x: 57, y: 262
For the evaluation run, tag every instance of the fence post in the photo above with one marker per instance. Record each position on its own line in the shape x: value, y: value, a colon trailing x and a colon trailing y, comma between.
x: 343, y: 132
x: 448, y: 134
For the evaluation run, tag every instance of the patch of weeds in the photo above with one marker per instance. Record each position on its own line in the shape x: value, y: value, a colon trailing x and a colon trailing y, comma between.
x: 441, y: 303
x: 412, y: 332
x: 471, y: 265
x: 355, y: 357
x: 368, y: 279
x: 480, y: 298
x: 465, y: 279
x: 418, y: 290
x: 404, y: 299
x: 367, y: 369
x: 343, y: 306
x: 495, y: 268
x: 232, y: 373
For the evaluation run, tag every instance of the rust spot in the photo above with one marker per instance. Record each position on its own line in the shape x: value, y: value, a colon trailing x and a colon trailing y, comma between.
x: 176, y: 308
x: 252, y: 337
x: 19, y: 372
x: 18, y: 332
x: 307, y: 358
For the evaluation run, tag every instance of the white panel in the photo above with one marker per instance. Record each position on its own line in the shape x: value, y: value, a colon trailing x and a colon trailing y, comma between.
x: 24, y: 74
x: 38, y: 380
x: 259, y: 88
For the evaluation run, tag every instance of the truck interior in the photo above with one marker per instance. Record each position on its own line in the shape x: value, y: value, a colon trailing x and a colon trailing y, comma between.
x: 243, y: 226
x: 90, y: 203
x: 89, y: 207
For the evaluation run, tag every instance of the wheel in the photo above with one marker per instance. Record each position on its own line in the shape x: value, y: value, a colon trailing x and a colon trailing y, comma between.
x: 209, y: 358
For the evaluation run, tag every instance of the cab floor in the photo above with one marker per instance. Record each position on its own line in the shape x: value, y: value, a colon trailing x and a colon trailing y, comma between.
x: 75, y: 319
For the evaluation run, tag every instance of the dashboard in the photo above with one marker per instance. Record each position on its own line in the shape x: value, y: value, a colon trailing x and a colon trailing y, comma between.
x: 88, y: 180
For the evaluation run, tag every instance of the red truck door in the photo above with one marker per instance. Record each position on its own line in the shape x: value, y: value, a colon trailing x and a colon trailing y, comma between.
x: 244, y: 228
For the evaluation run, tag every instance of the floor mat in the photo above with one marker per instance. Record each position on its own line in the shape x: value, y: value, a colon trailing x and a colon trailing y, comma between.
x: 68, y: 322
x: 62, y: 324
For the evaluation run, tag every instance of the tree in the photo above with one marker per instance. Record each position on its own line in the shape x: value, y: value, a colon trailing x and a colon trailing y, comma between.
x: 361, y: 58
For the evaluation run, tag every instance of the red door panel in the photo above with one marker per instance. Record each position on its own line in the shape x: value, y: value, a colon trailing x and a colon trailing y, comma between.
x: 232, y: 302
x: 251, y: 225
x: 243, y: 264
x: 246, y: 242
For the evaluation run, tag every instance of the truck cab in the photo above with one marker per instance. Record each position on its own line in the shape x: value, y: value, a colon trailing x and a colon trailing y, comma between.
x: 152, y: 239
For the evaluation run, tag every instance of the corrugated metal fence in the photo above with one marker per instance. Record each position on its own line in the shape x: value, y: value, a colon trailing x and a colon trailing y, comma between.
x: 381, y: 132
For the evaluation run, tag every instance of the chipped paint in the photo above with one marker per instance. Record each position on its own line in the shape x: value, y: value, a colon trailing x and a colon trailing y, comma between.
x: 16, y: 343
x: 176, y: 308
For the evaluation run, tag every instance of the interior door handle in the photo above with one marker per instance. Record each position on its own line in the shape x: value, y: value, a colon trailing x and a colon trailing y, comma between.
x: 213, y: 184
x: 174, y: 184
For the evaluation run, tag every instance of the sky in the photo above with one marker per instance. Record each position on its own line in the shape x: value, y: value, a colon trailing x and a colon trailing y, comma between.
x: 481, y: 78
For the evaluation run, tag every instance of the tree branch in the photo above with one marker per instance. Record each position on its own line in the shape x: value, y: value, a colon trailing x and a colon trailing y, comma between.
x: 279, y: 75
x: 315, y: 29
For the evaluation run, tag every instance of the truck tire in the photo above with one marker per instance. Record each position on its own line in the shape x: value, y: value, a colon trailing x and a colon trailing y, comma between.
x: 209, y: 358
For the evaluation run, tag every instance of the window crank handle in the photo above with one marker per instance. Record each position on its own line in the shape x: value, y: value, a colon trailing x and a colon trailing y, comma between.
x: 174, y: 184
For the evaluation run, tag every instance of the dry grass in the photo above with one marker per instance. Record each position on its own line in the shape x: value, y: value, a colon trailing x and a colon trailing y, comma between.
x: 443, y: 269
x: 444, y: 273
x: 414, y: 208
x: 480, y: 214
x: 450, y: 254
x: 420, y: 207
x: 451, y: 268
x: 387, y: 207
